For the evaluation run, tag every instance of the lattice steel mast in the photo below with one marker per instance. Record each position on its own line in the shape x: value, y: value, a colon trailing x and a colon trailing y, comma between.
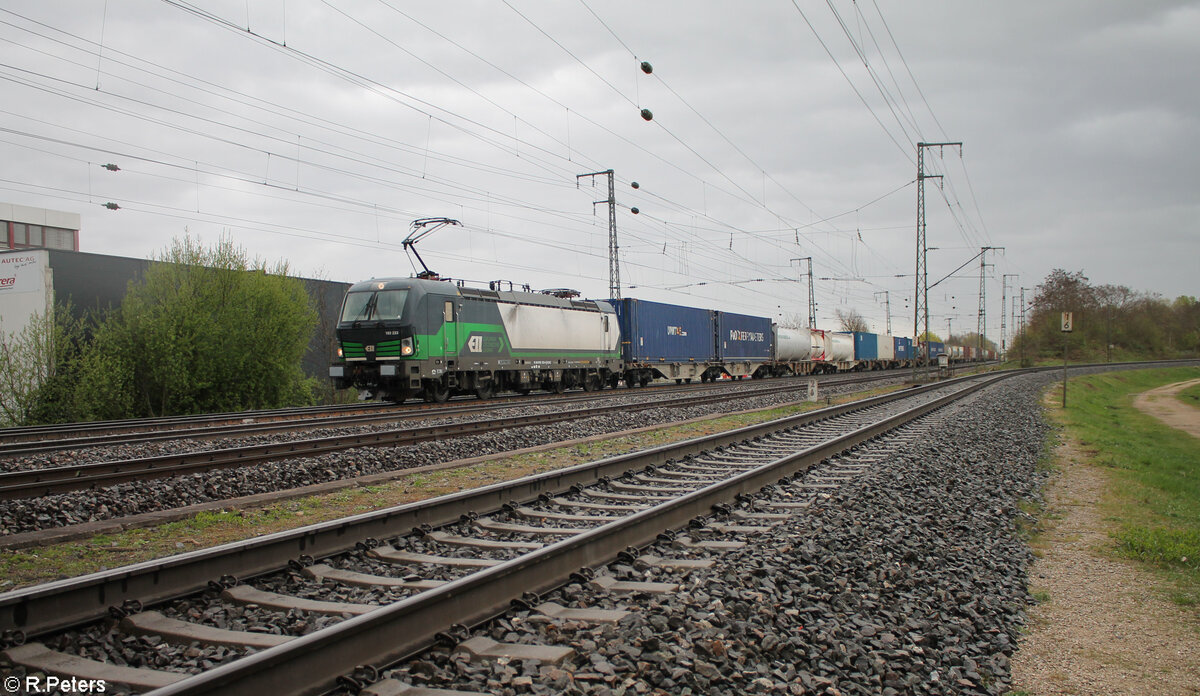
x: 921, y: 290
x: 614, y: 266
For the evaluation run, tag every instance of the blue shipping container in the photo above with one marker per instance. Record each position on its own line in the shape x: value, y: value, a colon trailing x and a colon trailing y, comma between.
x: 935, y: 349
x: 743, y: 337
x: 654, y: 332
x: 866, y: 346
x: 903, y: 348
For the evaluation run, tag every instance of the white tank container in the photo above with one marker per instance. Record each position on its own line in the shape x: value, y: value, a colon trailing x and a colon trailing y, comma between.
x: 820, y: 345
x: 793, y: 345
x: 841, y: 346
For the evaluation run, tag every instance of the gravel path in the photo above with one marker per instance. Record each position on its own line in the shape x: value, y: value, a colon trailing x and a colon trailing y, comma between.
x: 1162, y: 404
x: 1104, y: 629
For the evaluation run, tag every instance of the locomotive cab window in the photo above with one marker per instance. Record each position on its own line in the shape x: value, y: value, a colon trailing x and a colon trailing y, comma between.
x: 374, y: 306
x: 448, y: 311
x: 605, y: 323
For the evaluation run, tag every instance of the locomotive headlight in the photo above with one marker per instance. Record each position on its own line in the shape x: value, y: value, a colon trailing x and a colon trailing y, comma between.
x: 406, y: 346
x: 340, y: 355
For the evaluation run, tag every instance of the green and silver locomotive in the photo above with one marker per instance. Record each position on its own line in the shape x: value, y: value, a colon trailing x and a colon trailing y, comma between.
x: 400, y: 338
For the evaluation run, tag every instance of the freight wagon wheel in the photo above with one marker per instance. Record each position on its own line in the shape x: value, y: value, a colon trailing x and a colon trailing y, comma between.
x: 555, y: 387
x: 645, y: 379
x: 591, y: 383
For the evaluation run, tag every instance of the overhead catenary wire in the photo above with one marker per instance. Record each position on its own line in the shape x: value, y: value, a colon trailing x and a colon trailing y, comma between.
x: 669, y: 222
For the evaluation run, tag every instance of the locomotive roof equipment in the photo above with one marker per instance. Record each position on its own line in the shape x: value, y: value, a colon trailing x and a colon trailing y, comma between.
x: 420, y: 232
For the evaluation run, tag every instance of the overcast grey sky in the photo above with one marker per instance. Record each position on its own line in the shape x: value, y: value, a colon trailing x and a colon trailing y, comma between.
x: 315, y: 131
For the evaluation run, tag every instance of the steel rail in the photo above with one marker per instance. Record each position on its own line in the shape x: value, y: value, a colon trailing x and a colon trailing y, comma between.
x: 28, y: 483
x: 19, y: 442
x: 34, y: 433
x: 311, y: 664
x: 69, y: 602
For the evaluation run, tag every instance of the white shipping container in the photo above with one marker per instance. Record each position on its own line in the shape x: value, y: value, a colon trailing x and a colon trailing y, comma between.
x: 887, y: 347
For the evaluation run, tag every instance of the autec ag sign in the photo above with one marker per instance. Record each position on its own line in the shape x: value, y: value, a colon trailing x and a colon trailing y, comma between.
x: 20, y: 273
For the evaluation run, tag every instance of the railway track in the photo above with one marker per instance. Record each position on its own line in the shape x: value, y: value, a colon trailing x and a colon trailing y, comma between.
x: 36, y: 440
x: 115, y: 429
x: 33, y: 482
x: 459, y: 559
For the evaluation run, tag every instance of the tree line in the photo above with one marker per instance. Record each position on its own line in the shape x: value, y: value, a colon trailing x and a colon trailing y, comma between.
x: 204, y: 330
x: 1110, y: 322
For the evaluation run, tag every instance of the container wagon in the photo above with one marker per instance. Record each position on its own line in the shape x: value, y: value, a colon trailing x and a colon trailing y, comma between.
x: 904, y: 351
x: 887, y: 352
x: 930, y: 350
x: 839, y: 351
x: 665, y: 340
x: 798, y: 351
x: 866, y: 350
x: 744, y: 345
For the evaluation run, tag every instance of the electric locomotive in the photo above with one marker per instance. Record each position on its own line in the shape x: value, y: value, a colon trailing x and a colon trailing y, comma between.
x: 400, y: 338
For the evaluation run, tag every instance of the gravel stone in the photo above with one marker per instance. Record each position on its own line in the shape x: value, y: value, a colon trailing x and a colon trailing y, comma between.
x: 138, y: 497
x: 909, y: 578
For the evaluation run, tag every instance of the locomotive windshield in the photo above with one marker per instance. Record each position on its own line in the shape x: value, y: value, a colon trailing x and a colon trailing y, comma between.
x: 379, y: 305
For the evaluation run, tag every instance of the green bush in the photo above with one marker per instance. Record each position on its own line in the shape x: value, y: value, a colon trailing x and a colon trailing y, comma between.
x: 206, y: 330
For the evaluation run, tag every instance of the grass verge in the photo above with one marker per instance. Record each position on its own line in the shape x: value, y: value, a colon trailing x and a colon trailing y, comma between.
x: 1153, y: 499
x: 19, y: 568
x: 1191, y: 396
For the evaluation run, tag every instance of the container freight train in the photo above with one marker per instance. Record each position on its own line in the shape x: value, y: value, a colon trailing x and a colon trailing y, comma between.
x: 400, y: 338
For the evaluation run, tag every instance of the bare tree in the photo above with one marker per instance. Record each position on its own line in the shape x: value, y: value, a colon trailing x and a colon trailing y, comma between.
x: 793, y: 320
x: 851, y: 320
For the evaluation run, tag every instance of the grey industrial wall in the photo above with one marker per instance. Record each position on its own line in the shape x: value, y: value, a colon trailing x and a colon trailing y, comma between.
x: 98, y: 282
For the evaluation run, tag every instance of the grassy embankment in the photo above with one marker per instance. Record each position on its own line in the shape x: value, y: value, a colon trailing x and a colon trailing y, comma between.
x: 1191, y: 396
x: 30, y: 566
x: 1153, y: 497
